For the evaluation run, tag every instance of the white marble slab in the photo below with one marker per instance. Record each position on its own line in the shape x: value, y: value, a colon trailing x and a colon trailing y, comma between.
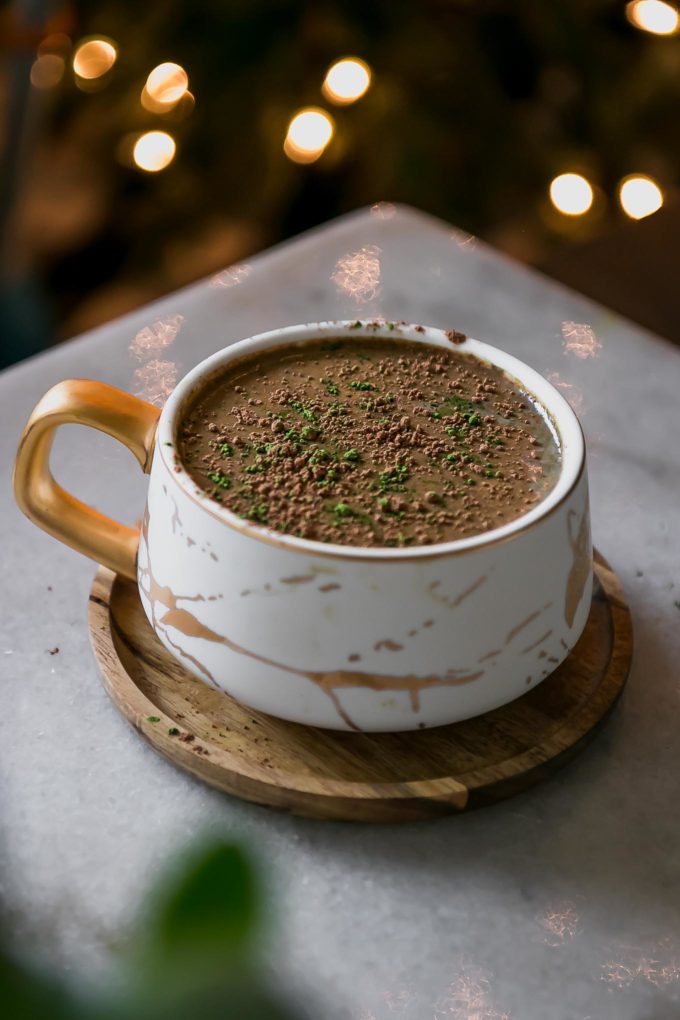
x: 562, y: 903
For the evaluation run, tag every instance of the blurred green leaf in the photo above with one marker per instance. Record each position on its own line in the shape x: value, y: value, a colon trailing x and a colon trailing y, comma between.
x: 244, y: 1000
x: 26, y: 994
x: 193, y: 955
x: 202, y: 918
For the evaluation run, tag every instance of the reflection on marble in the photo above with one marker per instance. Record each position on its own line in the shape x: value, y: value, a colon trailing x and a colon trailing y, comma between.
x: 470, y: 997
x: 569, y: 391
x: 559, y: 922
x: 155, y: 380
x: 152, y: 339
x: 657, y: 964
x: 580, y: 340
x: 384, y: 210
x: 466, y: 242
x: 358, y: 274
x: 89, y: 812
x: 230, y: 277
x: 156, y: 377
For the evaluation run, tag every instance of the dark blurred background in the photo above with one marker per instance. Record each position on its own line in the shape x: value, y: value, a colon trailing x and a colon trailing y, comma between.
x: 147, y: 145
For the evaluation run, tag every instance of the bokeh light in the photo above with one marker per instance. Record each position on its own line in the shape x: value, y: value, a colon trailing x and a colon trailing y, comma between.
x: 347, y: 80
x: 180, y: 110
x: 153, y: 151
x: 164, y: 87
x: 55, y: 42
x: 640, y: 196
x: 309, y: 134
x: 653, y: 16
x: 94, y: 58
x: 47, y: 71
x: 571, y: 194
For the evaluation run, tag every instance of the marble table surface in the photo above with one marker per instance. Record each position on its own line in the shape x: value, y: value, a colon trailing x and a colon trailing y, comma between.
x: 562, y: 903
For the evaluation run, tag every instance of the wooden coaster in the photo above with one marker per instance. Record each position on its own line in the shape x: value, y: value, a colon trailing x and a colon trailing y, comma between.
x: 385, y: 777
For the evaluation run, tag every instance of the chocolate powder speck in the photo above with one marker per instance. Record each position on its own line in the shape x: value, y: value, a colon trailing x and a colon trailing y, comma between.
x: 369, y: 442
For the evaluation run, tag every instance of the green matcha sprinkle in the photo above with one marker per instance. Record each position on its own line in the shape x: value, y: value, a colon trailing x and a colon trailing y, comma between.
x: 318, y: 455
x: 343, y: 510
x: 456, y: 405
x: 393, y: 480
x: 225, y: 450
x: 363, y: 385
x: 351, y: 454
x: 153, y: 718
x: 331, y: 387
x: 306, y: 412
x: 173, y: 731
x: 220, y: 479
x: 258, y: 513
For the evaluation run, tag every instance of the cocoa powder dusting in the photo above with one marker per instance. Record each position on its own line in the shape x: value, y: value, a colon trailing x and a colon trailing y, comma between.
x: 369, y: 443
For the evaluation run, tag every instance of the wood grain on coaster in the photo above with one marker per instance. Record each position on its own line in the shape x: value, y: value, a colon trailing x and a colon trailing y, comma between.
x: 382, y: 777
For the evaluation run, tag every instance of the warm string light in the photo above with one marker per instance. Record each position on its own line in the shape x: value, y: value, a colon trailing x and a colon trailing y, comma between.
x: 153, y: 151
x: 166, y: 85
x: 55, y: 42
x: 50, y: 63
x: 311, y: 130
x: 640, y: 196
x: 94, y: 58
x: 571, y: 194
x: 653, y: 16
x: 346, y: 81
x: 308, y: 135
x: 47, y: 70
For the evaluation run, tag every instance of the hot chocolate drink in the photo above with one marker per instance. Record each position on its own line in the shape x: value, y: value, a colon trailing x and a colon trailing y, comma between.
x: 370, y: 442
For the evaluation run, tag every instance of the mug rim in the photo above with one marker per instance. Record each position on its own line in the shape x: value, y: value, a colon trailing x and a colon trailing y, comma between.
x: 559, y: 413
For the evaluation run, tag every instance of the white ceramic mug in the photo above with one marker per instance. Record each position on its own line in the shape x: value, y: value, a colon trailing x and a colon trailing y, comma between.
x: 330, y: 635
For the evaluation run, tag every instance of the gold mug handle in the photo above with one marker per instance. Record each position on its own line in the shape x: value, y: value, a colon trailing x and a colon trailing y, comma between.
x: 130, y: 420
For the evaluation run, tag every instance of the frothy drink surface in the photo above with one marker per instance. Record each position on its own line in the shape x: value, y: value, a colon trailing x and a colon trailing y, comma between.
x: 369, y: 443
